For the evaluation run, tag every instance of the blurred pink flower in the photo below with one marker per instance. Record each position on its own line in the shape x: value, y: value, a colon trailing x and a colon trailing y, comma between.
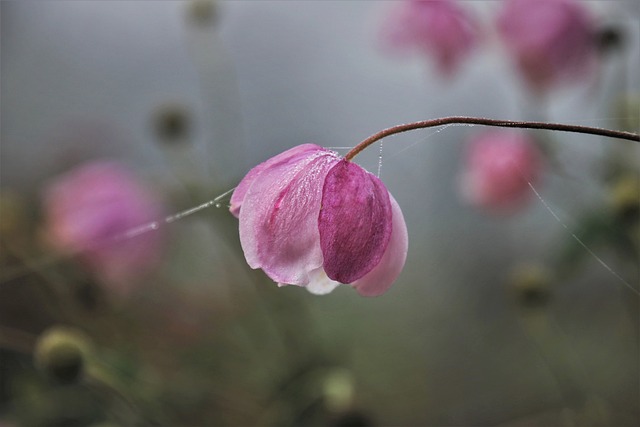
x: 439, y: 28
x: 552, y: 41
x: 87, y: 211
x: 310, y: 218
x: 499, y: 166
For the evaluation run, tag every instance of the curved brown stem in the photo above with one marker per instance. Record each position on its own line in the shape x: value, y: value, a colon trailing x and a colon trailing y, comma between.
x: 490, y: 122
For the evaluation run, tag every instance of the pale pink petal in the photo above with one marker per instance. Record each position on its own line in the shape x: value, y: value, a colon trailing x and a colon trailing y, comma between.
x: 279, y: 216
x: 290, y: 156
x: 354, y: 222
x: 380, y: 279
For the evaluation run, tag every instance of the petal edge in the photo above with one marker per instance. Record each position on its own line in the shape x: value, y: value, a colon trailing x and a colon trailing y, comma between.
x: 380, y: 279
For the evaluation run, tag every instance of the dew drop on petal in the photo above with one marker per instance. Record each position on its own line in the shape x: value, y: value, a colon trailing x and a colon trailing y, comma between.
x: 320, y: 284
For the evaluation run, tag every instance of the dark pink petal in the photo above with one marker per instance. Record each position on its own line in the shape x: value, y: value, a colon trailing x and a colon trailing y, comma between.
x: 354, y: 222
x: 380, y: 279
x: 290, y: 156
x: 278, y: 219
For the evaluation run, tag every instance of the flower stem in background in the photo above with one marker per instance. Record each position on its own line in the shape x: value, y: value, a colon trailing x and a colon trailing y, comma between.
x: 489, y: 122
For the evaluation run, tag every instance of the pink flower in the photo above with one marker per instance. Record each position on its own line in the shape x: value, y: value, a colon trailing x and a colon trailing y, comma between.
x: 552, y: 41
x: 88, y: 210
x: 310, y: 218
x: 441, y: 29
x: 499, y: 167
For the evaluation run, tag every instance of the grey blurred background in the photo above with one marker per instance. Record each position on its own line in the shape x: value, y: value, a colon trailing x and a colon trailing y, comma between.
x: 446, y: 345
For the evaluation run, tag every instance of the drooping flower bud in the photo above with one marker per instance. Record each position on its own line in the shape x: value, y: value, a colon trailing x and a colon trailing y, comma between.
x: 309, y: 218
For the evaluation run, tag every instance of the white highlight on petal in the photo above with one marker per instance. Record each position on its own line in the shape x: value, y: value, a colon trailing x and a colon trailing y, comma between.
x: 319, y: 283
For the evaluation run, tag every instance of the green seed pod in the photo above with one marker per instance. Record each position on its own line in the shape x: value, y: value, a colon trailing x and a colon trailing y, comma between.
x: 338, y: 389
x: 625, y: 198
x: 61, y: 353
x: 203, y: 12
x: 610, y: 39
x: 172, y: 124
x: 627, y: 108
x: 530, y: 285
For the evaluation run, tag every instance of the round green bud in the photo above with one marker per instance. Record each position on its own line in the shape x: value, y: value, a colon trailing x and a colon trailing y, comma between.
x: 61, y: 354
x: 203, y: 12
x: 172, y: 124
x: 530, y: 285
x: 627, y: 108
x: 609, y: 39
x: 625, y: 198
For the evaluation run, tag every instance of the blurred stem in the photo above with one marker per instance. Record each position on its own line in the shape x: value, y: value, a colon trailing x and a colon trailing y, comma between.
x: 632, y: 302
x: 58, y: 292
x: 184, y: 167
x: 219, y: 89
x: 128, y: 410
x: 571, y: 380
x: 489, y: 122
x: 285, y: 319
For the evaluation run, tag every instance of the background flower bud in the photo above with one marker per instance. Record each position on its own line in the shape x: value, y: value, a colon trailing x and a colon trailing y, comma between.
x: 442, y: 29
x: 551, y: 41
x: 89, y: 210
x: 499, y: 165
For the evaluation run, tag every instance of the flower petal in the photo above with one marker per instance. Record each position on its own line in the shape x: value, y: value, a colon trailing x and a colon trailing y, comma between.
x: 278, y: 219
x: 378, y: 280
x: 290, y: 156
x: 354, y: 222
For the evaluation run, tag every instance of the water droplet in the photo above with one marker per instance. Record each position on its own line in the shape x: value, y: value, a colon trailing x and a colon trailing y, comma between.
x: 380, y: 160
x: 218, y: 205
